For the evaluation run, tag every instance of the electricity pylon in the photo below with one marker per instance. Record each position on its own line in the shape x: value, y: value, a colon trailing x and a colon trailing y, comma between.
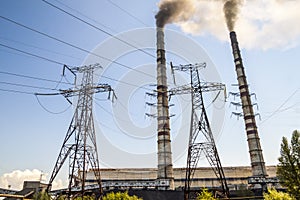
x: 201, y: 139
x: 80, y: 141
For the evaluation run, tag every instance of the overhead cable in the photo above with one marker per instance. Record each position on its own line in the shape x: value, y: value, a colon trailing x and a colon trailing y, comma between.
x: 128, y: 13
x: 33, y: 77
x: 31, y: 54
x: 73, y: 46
x: 99, y: 29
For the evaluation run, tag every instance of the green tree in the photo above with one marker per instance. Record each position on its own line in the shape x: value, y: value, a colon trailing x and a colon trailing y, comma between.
x: 206, y: 195
x: 120, y: 196
x: 288, y: 169
x: 275, y: 195
x: 42, y: 196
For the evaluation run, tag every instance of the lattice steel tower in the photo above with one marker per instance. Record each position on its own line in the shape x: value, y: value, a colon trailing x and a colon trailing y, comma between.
x: 80, y: 141
x: 201, y: 139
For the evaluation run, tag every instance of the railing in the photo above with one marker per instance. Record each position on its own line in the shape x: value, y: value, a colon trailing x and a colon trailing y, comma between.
x: 120, y: 184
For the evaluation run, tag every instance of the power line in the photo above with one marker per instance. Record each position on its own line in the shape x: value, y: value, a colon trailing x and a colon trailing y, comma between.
x: 128, y: 13
x: 49, y: 36
x: 73, y: 46
x: 278, y: 109
x: 80, y: 13
x: 12, y: 52
x: 31, y: 54
x: 28, y: 86
x: 36, y: 47
x: 32, y: 77
x: 49, y: 111
x: 119, y: 129
x: 95, y: 21
x: 56, y: 62
x: 131, y: 84
x: 54, y: 81
x: 127, y: 121
x: 68, y: 83
x: 136, y: 18
x: 17, y: 91
x: 41, y: 33
x: 99, y: 29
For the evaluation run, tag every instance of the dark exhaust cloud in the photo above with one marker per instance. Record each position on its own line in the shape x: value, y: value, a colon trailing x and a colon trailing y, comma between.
x: 183, y: 10
x: 208, y: 17
x: 173, y: 11
x: 231, y: 9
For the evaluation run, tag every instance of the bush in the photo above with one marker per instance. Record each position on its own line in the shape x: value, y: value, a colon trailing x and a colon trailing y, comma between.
x: 206, y: 195
x: 42, y: 196
x: 275, y: 195
x: 120, y: 196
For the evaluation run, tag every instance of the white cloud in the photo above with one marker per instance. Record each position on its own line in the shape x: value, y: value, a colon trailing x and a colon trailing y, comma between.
x: 262, y: 24
x: 16, y: 178
x: 59, y: 184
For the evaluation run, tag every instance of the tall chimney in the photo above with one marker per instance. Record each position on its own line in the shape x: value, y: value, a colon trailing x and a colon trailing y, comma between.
x: 256, y: 156
x: 164, y: 153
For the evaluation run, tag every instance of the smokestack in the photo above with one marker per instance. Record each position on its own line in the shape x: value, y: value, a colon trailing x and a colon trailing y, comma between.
x: 165, y: 167
x: 256, y: 156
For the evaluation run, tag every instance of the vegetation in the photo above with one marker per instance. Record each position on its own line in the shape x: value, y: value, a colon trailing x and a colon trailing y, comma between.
x: 243, y: 191
x: 79, y: 197
x: 205, y: 195
x: 120, y: 196
x: 275, y: 195
x: 42, y: 196
x: 86, y: 197
x: 288, y: 169
x: 61, y: 197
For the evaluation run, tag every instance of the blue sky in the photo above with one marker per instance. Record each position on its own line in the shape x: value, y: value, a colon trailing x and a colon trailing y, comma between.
x: 31, y: 136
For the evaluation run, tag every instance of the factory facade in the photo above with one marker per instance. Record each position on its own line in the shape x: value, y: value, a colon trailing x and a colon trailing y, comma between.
x: 204, y: 177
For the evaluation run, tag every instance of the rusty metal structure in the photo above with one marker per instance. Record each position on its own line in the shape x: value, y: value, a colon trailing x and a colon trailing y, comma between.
x: 164, y: 153
x: 201, y: 139
x: 79, y: 144
x: 256, y: 155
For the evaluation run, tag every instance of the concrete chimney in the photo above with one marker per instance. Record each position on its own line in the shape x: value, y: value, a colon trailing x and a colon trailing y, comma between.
x: 164, y: 153
x: 256, y: 156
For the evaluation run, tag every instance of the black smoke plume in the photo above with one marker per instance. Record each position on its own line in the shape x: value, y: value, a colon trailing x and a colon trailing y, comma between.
x: 231, y: 9
x: 183, y: 10
x: 173, y: 11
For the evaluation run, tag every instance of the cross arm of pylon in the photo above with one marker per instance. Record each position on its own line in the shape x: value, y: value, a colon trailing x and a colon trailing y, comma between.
x: 205, y: 87
x: 184, y: 89
x: 106, y: 88
x: 212, y: 86
x: 188, y: 67
x: 85, y: 68
x: 185, y: 68
x: 150, y: 115
x: 93, y: 89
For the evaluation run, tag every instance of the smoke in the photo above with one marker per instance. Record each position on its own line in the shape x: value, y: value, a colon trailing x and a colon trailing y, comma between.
x: 173, y: 11
x: 231, y: 9
x: 260, y: 24
x: 183, y: 10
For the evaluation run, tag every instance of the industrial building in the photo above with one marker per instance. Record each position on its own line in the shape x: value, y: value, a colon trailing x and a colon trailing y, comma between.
x: 204, y: 177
